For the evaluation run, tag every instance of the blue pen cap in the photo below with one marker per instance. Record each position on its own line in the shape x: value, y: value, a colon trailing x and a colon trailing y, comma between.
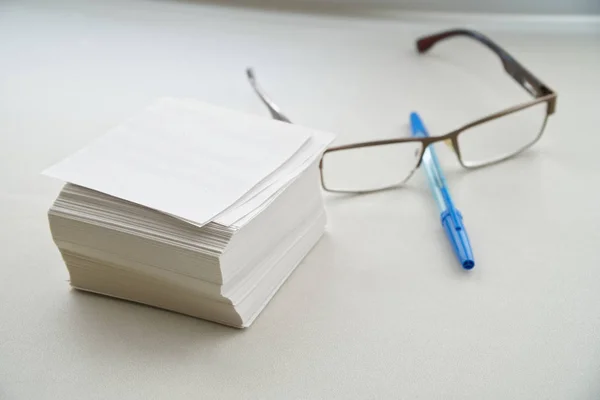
x: 455, y: 230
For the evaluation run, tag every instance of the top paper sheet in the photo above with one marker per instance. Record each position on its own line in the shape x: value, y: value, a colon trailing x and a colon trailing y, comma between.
x: 184, y: 158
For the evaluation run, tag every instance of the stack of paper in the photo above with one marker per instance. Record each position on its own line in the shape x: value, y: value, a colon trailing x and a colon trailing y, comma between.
x: 191, y: 208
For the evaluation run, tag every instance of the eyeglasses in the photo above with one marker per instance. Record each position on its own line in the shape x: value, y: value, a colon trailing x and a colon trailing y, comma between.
x: 486, y: 141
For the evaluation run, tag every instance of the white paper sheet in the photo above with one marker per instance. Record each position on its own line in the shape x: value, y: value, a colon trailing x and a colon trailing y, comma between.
x: 264, y: 193
x: 184, y: 158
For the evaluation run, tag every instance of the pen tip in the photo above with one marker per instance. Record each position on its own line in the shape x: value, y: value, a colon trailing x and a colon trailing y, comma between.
x: 468, y: 264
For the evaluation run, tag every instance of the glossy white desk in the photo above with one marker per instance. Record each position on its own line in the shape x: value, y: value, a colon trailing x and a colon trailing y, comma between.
x: 379, y: 309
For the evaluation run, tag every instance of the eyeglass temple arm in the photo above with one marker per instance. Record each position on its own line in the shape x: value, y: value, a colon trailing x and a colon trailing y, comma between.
x: 273, y: 108
x: 523, y: 77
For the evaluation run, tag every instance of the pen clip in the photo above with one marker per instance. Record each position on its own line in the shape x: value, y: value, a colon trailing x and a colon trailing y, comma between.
x: 451, y: 210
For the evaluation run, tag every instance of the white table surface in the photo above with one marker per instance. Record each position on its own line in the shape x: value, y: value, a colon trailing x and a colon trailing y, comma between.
x: 379, y: 309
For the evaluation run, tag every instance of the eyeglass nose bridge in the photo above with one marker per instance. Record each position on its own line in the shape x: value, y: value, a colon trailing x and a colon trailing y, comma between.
x: 449, y: 140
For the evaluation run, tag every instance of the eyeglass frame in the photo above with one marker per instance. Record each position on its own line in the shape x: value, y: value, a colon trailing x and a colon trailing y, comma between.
x: 540, y: 92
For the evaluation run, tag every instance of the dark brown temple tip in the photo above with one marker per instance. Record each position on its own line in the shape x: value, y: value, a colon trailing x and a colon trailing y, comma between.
x: 425, y: 43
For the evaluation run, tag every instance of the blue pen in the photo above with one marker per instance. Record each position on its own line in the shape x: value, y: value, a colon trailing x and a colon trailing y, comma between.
x: 451, y: 218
